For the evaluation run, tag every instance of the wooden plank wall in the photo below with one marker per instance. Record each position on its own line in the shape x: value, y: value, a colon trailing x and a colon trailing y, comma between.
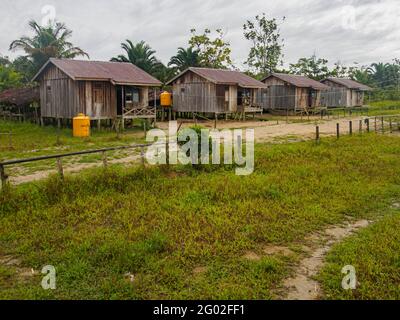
x: 57, y: 94
x: 281, y: 97
x: 61, y: 97
x: 335, y: 97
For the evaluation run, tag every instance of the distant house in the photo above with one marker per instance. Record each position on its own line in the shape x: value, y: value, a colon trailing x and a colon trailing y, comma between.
x: 344, y: 92
x: 292, y: 92
x: 217, y: 91
x: 101, y: 90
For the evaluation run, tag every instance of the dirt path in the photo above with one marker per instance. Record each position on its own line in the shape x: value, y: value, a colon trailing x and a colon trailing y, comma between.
x: 302, y: 286
x: 269, y: 131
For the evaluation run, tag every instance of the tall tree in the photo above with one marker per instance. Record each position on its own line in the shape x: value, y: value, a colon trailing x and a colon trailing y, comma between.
x: 51, y: 41
x: 266, y: 51
x: 213, y: 53
x: 139, y: 54
x: 361, y: 75
x: 4, y: 61
x: 379, y: 72
x: 184, y: 59
x: 9, y: 78
x: 313, y: 67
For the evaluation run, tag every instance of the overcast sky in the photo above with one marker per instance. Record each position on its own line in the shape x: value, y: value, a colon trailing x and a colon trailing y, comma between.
x: 349, y: 31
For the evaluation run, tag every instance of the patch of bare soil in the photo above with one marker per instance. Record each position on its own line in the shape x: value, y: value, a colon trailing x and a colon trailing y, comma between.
x: 22, y: 274
x: 199, y: 270
x: 302, y: 286
x: 252, y: 256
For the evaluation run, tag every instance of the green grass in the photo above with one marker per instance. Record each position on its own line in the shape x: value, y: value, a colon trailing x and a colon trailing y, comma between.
x: 161, y: 224
x: 375, y: 254
x: 386, y: 107
x: 29, y: 140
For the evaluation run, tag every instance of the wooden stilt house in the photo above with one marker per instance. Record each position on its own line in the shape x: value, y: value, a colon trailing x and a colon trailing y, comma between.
x: 101, y: 90
x: 287, y: 92
x: 344, y: 92
x: 217, y: 91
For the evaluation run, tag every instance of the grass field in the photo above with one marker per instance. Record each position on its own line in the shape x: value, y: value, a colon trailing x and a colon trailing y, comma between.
x: 30, y: 140
x: 181, y: 233
x: 375, y: 254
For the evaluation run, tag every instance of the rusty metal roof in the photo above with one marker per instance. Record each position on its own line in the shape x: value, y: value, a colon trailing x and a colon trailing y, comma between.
x: 298, y: 81
x: 115, y: 72
x: 225, y: 77
x: 348, y: 83
x: 20, y: 96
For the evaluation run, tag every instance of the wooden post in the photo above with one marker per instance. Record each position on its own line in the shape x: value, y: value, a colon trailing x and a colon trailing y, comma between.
x: 317, y: 134
x: 10, y: 140
x: 351, y: 128
x: 142, y: 156
x: 104, y: 157
x: 360, y: 126
x: 390, y: 125
x: 216, y: 120
x: 383, y: 125
x: 376, y: 124
x: 368, y: 128
x: 338, y: 130
x: 60, y: 168
x: 3, y: 177
x: 98, y: 124
x: 167, y: 151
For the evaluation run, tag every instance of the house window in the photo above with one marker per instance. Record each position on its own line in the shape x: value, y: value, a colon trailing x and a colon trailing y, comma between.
x: 183, y: 90
x: 132, y: 95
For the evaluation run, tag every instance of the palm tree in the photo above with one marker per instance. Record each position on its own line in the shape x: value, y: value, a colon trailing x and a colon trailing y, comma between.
x: 50, y: 41
x: 185, y: 59
x: 379, y: 73
x: 139, y: 54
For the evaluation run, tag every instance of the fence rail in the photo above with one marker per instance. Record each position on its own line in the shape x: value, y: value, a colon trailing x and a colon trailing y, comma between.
x: 59, y: 157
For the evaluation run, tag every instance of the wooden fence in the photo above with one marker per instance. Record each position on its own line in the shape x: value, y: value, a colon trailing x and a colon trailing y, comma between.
x: 59, y: 157
x: 377, y: 124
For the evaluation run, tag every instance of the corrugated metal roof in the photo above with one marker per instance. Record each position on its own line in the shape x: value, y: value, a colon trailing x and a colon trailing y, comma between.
x: 226, y: 77
x: 20, y: 96
x: 350, y: 84
x: 298, y: 81
x: 116, y: 72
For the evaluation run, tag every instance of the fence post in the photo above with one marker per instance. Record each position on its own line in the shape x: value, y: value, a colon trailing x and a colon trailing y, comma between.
x: 10, y: 140
x: 376, y: 124
x: 360, y: 126
x: 60, y: 168
x: 317, y: 134
x: 3, y: 177
x: 368, y: 129
x: 383, y: 125
x: 351, y: 128
x: 390, y: 125
x: 104, y: 157
x: 142, y: 155
x: 338, y: 130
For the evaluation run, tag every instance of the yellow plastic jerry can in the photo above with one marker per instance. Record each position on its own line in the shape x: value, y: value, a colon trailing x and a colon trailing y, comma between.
x: 166, y: 99
x: 81, y: 126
